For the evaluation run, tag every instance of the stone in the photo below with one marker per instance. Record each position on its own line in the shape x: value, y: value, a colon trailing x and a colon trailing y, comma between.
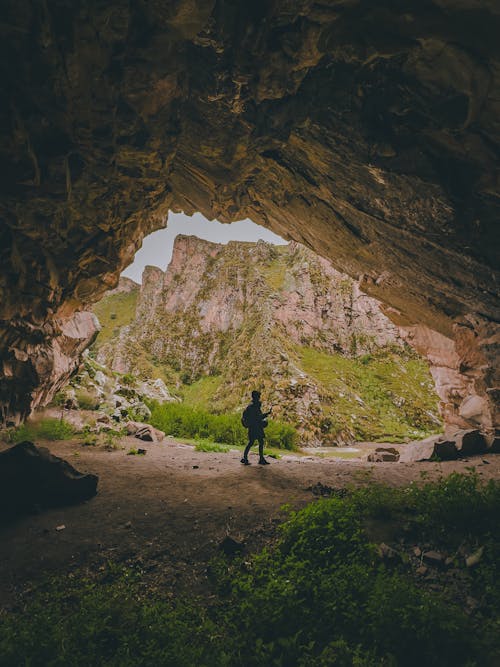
x: 417, y: 551
x: 384, y: 454
x: 469, y: 442
x: 141, y: 410
x: 472, y: 407
x: 474, y: 559
x: 433, y: 558
x: 434, y: 447
x: 103, y: 419
x: 100, y: 378
x: 422, y: 570
x: 144, y: 431
x: 32, y: 476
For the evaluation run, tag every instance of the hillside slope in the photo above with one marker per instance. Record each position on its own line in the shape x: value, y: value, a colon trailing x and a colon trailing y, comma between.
x: 225, y: 319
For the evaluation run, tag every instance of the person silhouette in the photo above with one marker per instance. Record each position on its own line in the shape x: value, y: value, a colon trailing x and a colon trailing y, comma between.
x: 255, y: 420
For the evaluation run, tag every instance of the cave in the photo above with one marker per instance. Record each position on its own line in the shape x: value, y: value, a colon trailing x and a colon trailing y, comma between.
x: 368, y: 133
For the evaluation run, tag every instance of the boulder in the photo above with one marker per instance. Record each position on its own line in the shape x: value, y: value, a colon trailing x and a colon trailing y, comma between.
x: 469, y: 442
x: 32, y: 477
x: 100, y: 378
x: 141, y: 410
x: 493, y: 444
x: 384, y: 454
x: 103, y: 419
x: 144, y: 432
x: 473, y: 407
x: 436, y: 446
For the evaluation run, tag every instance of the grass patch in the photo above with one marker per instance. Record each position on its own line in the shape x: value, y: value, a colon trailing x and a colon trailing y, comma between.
x: 46, y: 429
x: 182, y: 421
x: 200, y: 394
x: 86, y: 399
x: 113, y: 312
x: 320, y: 596
x: 387, y: 396
x: 208, y: 446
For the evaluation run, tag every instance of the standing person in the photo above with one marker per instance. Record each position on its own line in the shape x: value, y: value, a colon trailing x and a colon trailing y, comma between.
x: 255, y: 420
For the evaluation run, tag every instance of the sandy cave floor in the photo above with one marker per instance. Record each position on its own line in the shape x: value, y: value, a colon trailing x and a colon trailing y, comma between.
x: 167, y: 512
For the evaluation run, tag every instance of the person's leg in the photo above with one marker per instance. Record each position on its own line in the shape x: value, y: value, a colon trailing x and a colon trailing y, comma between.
x: 247, y: 449
x: 262, y: 460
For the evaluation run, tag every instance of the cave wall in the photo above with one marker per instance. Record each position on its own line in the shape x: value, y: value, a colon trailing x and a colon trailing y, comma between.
x: 368, y: 131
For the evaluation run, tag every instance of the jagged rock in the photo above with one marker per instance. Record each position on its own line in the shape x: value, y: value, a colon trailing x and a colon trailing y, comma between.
x: 469, y: 442
x: 473, y: 559
x: 368, y: 131
x: 100, y: 378
x: 31, y: 476
x: 141, y: 410
x: 144, y: 431
x: 103, y: 419
x: 473, y: 407
x: 383, y: 454
x: 436, y: 446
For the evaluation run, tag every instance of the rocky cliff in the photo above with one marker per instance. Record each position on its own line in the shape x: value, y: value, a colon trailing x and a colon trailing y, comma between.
x: 367, y: 131
x: 225, y: 319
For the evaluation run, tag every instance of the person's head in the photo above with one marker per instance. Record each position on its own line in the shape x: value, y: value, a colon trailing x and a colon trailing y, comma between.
x: 256, y: 396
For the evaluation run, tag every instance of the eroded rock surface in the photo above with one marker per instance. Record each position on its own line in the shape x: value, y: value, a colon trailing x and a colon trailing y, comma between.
x: 367, y: 131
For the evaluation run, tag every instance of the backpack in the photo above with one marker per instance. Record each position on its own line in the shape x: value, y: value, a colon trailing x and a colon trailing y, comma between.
x: 245, y: 421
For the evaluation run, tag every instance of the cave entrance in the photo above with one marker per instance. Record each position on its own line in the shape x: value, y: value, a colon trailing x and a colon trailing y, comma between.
x: 208, y: 312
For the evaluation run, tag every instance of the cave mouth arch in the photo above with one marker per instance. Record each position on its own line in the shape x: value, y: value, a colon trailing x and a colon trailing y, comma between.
x: 375, y: 147
x: 213, y: 311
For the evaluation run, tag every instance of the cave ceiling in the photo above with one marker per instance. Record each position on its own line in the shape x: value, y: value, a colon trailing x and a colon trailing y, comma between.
x: 370, y: 132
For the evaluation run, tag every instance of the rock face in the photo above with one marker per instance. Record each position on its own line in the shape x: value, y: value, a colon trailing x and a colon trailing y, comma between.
x: 464, y: 372
x: 226, y: 319
x: 40, y: 363
x: 367, y: 131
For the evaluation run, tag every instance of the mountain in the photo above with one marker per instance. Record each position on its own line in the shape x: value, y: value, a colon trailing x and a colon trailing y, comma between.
x: 226, y: 319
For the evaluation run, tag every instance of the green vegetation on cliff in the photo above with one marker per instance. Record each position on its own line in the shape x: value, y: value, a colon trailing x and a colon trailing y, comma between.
x: 115, y: 311
x: 384, y: 396
x: 321, y: 595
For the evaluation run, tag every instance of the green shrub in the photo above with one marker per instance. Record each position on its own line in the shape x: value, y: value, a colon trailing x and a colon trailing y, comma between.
x: 59, y: 399
x: 187, y: 422
x: 207, y: 446
x: 46, y: 429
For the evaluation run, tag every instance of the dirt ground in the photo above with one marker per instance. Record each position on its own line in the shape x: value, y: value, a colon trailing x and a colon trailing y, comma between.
x: 168, y: 511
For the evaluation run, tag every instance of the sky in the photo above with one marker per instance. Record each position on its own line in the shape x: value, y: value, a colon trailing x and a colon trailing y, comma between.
x: 157, y: 247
